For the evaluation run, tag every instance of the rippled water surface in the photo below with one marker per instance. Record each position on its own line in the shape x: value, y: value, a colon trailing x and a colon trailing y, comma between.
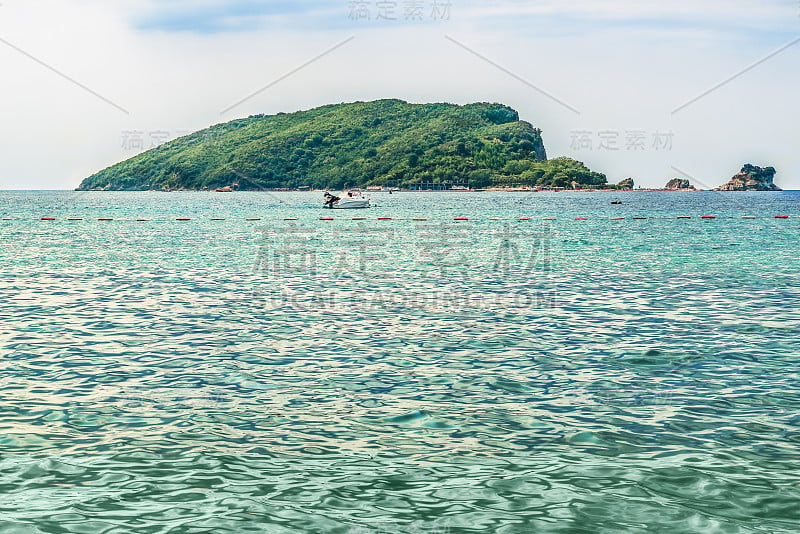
x: 292, y: 374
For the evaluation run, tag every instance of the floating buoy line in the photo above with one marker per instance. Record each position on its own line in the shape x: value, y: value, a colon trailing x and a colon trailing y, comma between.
x: 414, y: 219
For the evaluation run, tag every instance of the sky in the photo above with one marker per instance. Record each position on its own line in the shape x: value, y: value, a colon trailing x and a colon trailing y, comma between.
x: 651, y: 90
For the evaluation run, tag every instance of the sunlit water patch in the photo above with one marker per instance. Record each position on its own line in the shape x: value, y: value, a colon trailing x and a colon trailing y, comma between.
x: 290, y: 374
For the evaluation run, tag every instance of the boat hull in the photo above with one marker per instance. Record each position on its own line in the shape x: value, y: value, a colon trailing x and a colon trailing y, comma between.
x: 351, y: 205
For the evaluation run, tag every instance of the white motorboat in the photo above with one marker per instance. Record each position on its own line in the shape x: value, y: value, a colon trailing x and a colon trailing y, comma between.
x: 350, y: 200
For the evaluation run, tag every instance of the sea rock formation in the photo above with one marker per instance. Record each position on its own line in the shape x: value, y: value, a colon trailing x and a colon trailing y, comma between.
x: 627, y: 183
x: 751, y: 178
x: 679, y: 184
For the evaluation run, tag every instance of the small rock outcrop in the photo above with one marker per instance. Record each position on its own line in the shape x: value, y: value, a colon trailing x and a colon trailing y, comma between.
x: 679, y: 184
x: 627, y: 183
x: 751, y: 178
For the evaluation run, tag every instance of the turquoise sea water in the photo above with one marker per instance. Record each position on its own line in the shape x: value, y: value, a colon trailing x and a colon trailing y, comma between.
x: 399, y: 376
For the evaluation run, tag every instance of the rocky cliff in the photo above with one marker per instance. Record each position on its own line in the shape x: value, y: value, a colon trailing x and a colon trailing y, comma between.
x: 679, y: 184
x: 751, y: 178
x: 627, y: 183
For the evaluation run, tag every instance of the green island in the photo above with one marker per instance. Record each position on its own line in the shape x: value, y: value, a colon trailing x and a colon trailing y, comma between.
x: 388, y: 143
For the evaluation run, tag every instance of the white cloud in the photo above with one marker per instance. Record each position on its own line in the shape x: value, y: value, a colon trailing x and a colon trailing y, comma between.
x: 689, y: 10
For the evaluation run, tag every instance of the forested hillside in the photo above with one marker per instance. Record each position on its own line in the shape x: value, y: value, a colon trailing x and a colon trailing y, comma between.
x: 385, y: 142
